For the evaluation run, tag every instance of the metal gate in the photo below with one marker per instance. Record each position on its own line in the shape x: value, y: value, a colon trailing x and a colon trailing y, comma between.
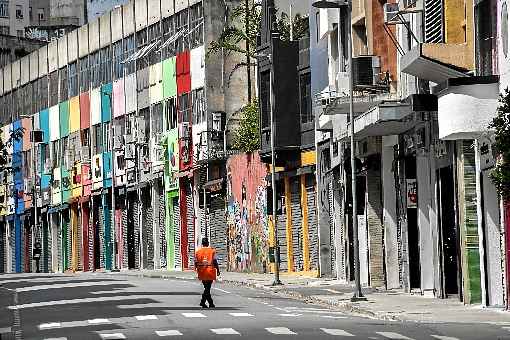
x: 282, y: 233
x: 161, y: 224
x: 297, y: 225
x: 124, y: 219
x: 12, y: 243
x: 218, y: 228
x: 332, y: 229
x: 190, y: 219
x: 67, y: 237
x: 46, y: 244
x: 313, y: 232
x: 177, y: 232
x: 3, y: 257
x: 148, y: 230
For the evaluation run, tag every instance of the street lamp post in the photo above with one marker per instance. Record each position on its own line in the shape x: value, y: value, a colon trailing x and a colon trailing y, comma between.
x: 358, y: 295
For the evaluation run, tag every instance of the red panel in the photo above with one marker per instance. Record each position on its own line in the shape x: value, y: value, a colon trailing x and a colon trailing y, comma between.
x: 84, y: 110
x: 85, y: 211
x: 183, y: 72
x: 182, y: 151
x: 183, y: 210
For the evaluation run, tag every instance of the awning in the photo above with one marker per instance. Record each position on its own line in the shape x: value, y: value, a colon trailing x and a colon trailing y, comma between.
x: 363, y: 103
x: 423, y: 62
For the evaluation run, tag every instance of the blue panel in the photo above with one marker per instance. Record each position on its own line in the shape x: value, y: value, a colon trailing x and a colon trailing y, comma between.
x: 20, y: 203
x: 44, y: 124
x: 17, y: 167
x: 106, y: 102
x: 17, y: 144
x: 17, y: 245
x: 107, y: 169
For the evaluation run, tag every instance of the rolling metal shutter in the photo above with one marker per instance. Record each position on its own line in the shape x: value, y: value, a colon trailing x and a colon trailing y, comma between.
x: 124, y: 259
x: 332, y: 231
x: 177, y: 232
x: 434, y: 30
x: 101, y: 236
x: 148, y: 230
x: 91, y: 239
x: 67, y: 236
x: 218, y: 228
x: 46, y: 244
x: 79, y: 230
x: 297, y: 223
x: 136, y: 213
x: 12, y: 246
x: 191, y: 227
x: 162, y: 228
x: 313, y: 232
x: 3, y: 262
x: 282, y: 240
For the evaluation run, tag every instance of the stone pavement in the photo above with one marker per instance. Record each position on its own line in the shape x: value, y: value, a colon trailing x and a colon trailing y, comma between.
x: 393, y: 305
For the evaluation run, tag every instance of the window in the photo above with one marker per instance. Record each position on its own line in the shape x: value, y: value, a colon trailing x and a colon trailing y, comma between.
x: 84, y: 74
x: 26, y: 98
x: 98, y: 139
x: 30, y: 14
x: 305, y: 103
x: 35, y: 96
x: 85, y: 137
x: 55, y: 154
x: 169, y: 30
x: 40, y: 14
x: 154, y: 56
x: 53, y: 88
x: 198, y: 107
x: 265, y: 100
x: 94, y: 69
x: 170, y: 114
x: 4, y: 109
x: 4, y: 9
x: 19, y: 12
x: 73, y: 79
x: 106, y: 65
x: 45, y: 159
x: 106, y: 137
x: 184, y: 107
x: 129, y: 49
x: 145, y: 114
x: 118, y: 56
x: 197, y: 25
x: 141, y: 42
x: 43, y: 93
x: 64, y: 86
x: 157, y: 119
x: 182, y: 26
x: 65, y: 152
x: 4, y: 30
x: 15, y: 103
x: 504, y: 28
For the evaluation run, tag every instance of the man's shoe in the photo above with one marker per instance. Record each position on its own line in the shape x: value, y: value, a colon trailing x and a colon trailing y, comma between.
x: 203, y: 305
x: 212, y: 306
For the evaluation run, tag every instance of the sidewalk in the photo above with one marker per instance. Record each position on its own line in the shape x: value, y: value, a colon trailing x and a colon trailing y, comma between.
x: 394, y: 305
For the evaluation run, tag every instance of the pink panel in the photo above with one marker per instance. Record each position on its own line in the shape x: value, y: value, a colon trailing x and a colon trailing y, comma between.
x: 26, y: 123
x: 119, y: 103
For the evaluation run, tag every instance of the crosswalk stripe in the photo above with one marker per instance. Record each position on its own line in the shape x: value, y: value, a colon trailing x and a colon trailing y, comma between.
x: 50, y: 325
x: 339, y: 332
x: 240, y: 314
x: 193, y: 315
x: 112, y: 336
x: 441, y: 337
x: 290, y: 315
x: 146, y: 317
x: 55, y: 338
x: 171, y: 332
x: 393, y: 336
x: 332, y: 317
x: 280, y: 331
x: 98, y: 321
x: 225, y: 331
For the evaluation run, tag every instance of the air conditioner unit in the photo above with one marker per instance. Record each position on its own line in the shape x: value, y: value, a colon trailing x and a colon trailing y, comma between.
x: 217, y: 120
x: 390, y: 13
x: 129, y: 152
x: 415, y: 5
x: 185, y: 130
x: 159, y: 154
x: 27, y: 185
x: 140, y: 130
x: 185, y: 156
x: 366, y: 70
x: 157, y: 137
x: 117, y: 142
x: 129, y: 138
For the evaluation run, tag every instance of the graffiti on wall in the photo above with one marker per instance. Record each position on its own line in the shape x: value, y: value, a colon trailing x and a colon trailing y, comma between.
x: 247, y: 227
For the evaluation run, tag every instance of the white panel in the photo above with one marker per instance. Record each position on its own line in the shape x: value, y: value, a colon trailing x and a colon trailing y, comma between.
x: 16, y: 74
x: 105, y: 30
x: 167, y: 8
x: 197, y: 67
x: 34, y: 65
x: 131, y: 97
x: 83, y: 37
x: 62, y: 51
x: 54, y: 118
x: 141, y: 14
x: 1, y: 81
x: 154, y: 11
x: 180, y: 5
x: 156, y: 83
x: 52, y: 56
x: 116, y: 23
x: 72, y: 46
x: 25, y: 69
x: 94, y: 36
x: 7, y: 78
x: 128, y: 18
x: 43, y: 61
x: 95, y: 106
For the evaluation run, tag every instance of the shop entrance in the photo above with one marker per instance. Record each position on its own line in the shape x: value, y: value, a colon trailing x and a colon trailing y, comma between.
x: 413, y: 233
x: 131, y: 233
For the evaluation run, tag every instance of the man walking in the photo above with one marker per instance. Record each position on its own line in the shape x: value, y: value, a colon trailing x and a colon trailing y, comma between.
x: 206, y: 265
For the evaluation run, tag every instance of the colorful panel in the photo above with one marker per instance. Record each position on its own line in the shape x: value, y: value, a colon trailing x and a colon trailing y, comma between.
x: 156, y: 83
x: 54, y: 123
x: 6, y: 135
x: 95, y: 107
x: 84, y: 110
x: 119, y: 101
x: 66, y: 185
x: 86, y: 177
x: 17, y: 143
x: 64, y: 118
x: 107, y: 169
x: 74, y: 114
x: 183, y: 73
x: 197, y: 59
x: 106, y: 103
x: 26, y: 123
x: 130, y: 93
x: 56, y: 192
x: 44, y: 124
x: 97, y: 171
x: 76, y: 186
x: 169, y: 78
x: 46, y: 189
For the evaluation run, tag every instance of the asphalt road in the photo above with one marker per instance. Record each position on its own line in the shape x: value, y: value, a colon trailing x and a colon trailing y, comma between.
x: 114, y: 306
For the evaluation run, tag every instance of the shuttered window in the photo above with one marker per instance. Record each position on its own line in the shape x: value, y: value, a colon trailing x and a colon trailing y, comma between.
x: 434, y: 22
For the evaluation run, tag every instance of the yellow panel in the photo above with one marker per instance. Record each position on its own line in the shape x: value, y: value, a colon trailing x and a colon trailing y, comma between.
x: 74, y: 114
x: 308, y: 158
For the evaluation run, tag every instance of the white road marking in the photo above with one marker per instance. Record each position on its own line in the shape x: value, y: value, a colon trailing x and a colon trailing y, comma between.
x: 332, y: 291
x: 84, y: 300
x: 146, y: 317
x: 290, y: 315
x: 168, y: 333
x: 193, y: 315
x: 392, y: 335
x: 332, y: 317
x: 225, y: 331
x: 113, y: 291
x: 440, y: 337
x: 240, y: 314
x: 222, y: 290
x: 50, y: 325
x: 5, y: 330
x: 270, y: 305
x: 55, y: 339
x: 66, y: 285
x: 280, y: 331
x: 113, y: 336
x: 338, y: 332
x: 98, y: 321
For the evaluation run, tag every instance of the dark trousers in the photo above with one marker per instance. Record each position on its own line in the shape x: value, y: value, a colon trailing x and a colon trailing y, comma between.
x: 206, y: 296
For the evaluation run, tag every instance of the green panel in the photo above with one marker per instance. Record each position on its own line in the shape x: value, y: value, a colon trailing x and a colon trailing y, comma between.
x: 64, y: 118
x: 169, y: 78
x: 475, y: 288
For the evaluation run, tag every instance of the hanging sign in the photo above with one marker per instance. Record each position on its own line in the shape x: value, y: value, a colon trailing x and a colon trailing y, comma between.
x: 412, y: 193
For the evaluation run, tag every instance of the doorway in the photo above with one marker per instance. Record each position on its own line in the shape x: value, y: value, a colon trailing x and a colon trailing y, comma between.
x: 448, y: 231
x: 131, y: 238
x: 413, y: 233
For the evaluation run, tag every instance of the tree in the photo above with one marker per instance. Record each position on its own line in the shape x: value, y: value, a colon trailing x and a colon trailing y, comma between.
x: 247, y: 138
x: 300, y: 27
x: 500, y: 176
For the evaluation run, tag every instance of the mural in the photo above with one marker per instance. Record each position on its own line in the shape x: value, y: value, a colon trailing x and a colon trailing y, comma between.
x: 247, y: 227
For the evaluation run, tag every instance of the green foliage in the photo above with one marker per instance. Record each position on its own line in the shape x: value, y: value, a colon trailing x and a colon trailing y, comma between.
x: 247, y: 138
x: 300, y: 27
x: 500, y: 176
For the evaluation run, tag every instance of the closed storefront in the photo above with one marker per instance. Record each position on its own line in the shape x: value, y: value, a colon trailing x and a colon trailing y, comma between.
x: 3, y: 255
x: 218, y: 226
x: 174, y: 205
x: 313, y: 232
x: 297, y: 217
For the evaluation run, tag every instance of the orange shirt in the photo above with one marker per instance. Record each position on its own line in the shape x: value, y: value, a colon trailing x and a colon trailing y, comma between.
x: 204, y: 266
